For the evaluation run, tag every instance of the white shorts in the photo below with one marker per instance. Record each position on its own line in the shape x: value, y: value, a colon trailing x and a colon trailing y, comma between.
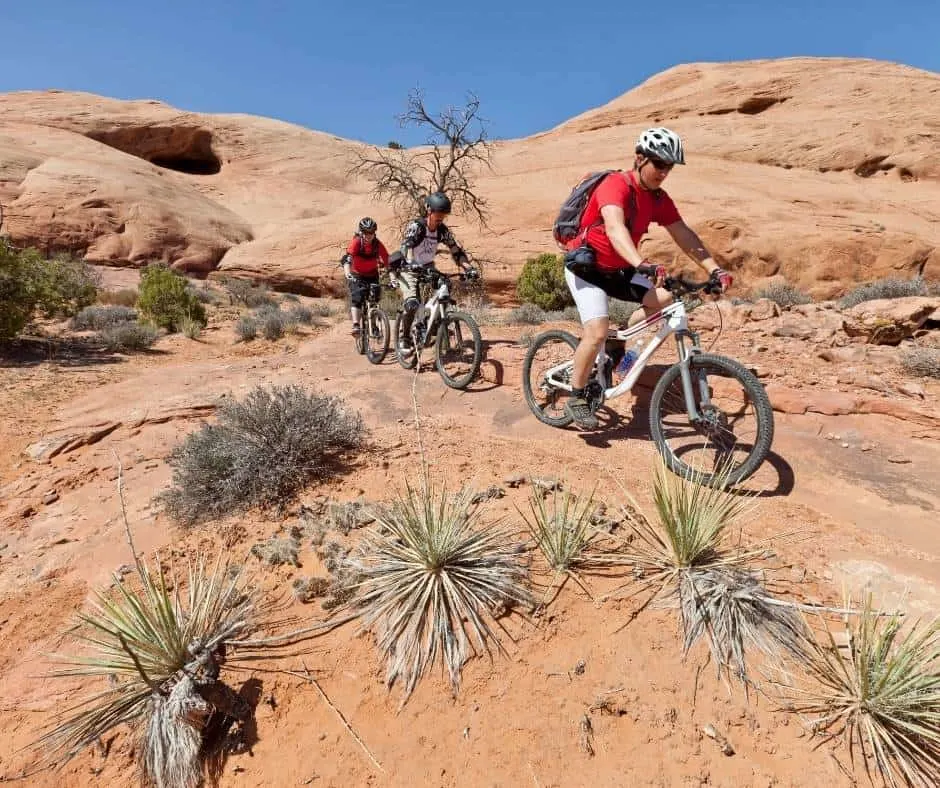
x: 592, y: 300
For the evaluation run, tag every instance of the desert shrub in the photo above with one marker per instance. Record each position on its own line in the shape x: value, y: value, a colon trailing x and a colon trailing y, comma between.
x: 29, y: 283
x: 262, y: 451
x: 97, y: 318
x: 542, y: 282
x: 884, y: 288
x: 246, y: 329
x: 271, y: 322
x: 278, y: 551
x: 248, y: 293
x: 126, y: 296
x: 783, y: 293
x: 301, y: 314
x: 166, y: 300
x: 327, y: 307
x: 527, y: 314
x: 122, y: 337
x: 922, y: 361
x: 390, y: 301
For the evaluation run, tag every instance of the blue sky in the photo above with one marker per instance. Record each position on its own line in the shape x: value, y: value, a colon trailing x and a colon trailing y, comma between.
x: 347, y: 67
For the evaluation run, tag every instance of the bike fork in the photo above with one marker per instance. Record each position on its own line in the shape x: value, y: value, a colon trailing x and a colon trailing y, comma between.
x: 685, y: 374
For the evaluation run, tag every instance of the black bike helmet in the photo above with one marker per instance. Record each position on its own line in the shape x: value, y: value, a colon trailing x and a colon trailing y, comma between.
x: 368, y: 225
x: 438, y: 203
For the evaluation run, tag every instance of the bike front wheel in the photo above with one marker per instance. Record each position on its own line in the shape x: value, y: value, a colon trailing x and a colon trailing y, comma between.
x: 376, y: 329
x: 736, y: 426
x: 458, y: 350
x: 406, y: 354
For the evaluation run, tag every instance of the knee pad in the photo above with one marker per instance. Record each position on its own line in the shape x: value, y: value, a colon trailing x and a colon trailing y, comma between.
x: 411, y: 304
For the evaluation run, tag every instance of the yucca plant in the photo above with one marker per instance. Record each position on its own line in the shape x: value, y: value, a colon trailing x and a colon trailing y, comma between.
x: 433, y: 578
x: 566, y: 536
x: 691, y: 557
x: 880, y: 693
x: 160, y: 647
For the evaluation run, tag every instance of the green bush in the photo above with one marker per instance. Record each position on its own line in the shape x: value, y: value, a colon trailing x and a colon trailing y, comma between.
x: 19, y: 290
x: 542, y: 282
x: 165, y: 299
x: 66, y: 286
x: 59, y: 287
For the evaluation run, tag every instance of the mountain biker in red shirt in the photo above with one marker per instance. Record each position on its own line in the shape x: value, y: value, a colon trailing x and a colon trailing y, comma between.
x: 361, y: 262
x: 614, y: 221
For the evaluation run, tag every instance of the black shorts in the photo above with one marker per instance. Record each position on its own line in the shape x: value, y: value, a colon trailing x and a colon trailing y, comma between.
x: 359, y: 288
x: 624, y: 284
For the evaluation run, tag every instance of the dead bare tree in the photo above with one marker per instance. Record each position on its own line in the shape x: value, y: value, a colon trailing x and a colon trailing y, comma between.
x: 457, y: 146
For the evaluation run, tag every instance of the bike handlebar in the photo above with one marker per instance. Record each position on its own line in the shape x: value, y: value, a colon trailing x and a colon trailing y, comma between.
x: 679, y: 286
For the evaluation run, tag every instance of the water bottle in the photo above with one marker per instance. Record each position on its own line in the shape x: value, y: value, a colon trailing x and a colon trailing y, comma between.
x: 629, y: 358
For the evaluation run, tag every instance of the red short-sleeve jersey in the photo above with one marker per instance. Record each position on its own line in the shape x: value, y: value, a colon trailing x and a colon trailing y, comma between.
x: 366, y: 259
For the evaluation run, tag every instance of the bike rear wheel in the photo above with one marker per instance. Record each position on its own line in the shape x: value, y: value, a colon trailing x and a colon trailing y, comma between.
x: 545, y: 400
x: 406, y: 359
x: 736, y: 428
x: 376, y: 329
x: 458, y: 349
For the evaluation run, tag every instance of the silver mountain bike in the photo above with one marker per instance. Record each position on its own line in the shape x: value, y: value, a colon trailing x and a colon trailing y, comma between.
x: 458, y: 347
x: 708, y: 414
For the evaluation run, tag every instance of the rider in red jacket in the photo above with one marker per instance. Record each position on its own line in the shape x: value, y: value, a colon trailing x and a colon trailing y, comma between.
x: 361, y: 262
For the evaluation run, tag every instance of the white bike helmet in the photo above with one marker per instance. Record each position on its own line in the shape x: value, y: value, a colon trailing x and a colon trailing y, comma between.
x: 661, y: 143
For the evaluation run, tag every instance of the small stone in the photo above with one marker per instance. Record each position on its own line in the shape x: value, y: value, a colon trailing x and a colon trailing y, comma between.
x: 844, y: 445
x: 868, y: 446
x: 899, y: 459
x: 516, y: 480
x: 50, y: 497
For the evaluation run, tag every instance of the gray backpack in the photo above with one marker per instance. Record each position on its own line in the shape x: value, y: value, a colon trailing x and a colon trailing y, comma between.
x: 568, y: 223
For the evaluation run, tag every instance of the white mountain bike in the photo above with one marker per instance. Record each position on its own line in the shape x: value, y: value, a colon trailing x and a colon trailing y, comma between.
x: 458, y: 347
x: 707, y: 413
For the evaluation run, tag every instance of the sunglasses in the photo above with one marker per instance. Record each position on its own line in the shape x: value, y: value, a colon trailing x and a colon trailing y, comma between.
x: 662, y: 166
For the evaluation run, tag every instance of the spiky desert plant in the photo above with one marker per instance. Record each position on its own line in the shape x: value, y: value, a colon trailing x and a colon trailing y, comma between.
x: 880, y: 693
x: 433, y: 576
x: 565, y: 534
x: 691, y: 557
x: 160, y: 647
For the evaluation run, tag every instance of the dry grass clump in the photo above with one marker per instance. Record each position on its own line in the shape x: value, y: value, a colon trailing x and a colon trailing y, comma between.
x: 262, y: 451
x: 567, y: 536
x: 689, y: 557
x: 96, y: 318
x: 880, y: 693
x: 783, y: 294
x: 123, y: 337
x: 434, y: 576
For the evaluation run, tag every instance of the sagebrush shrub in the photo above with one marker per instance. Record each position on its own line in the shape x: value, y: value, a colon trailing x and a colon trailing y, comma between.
x: 97, y: 318
x: 542, y: 282
x: 784, y: 294
x: 246, y: 329
x: 271, y: 321
x: 248, y: 293
x: 66, y: 286
x: 165, y: 299
x: 262, y: 451
x: 922, y: 361
x: 122, y: 337
x: 527, y: 314
x: 884, y: 288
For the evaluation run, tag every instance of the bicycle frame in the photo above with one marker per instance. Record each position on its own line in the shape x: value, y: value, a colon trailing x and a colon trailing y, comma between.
x: 674, y: 320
